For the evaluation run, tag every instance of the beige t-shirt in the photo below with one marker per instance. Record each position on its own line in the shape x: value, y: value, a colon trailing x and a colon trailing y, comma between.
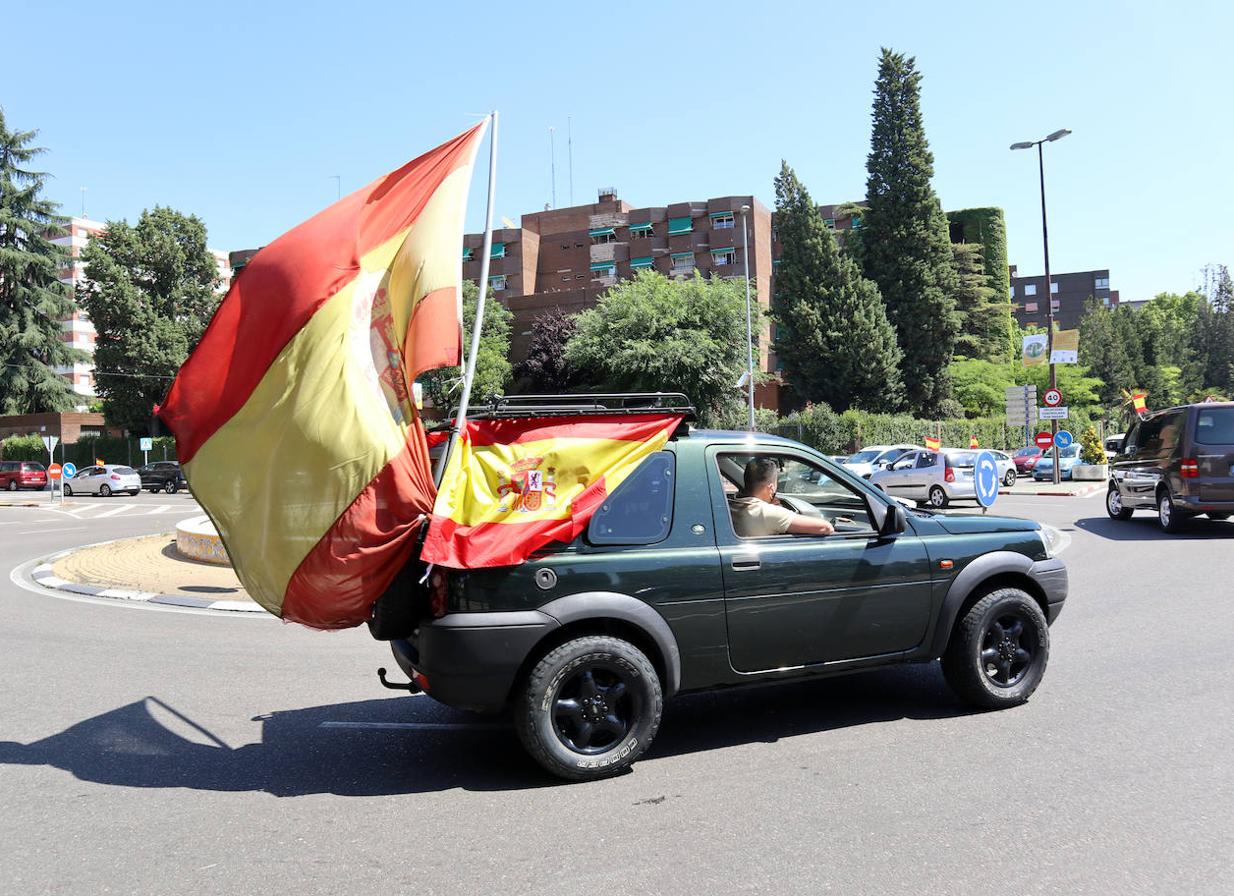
x: 753, y: 518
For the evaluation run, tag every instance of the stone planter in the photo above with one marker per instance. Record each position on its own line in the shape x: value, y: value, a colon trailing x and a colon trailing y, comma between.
x: 1093, y: 472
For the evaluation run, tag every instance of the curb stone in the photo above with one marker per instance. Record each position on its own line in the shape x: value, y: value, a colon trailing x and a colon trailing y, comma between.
x: 44, y: 574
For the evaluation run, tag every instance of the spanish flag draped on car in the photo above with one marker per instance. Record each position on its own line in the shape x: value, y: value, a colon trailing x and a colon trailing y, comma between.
x: 293, y: 418
x: 512, y: 486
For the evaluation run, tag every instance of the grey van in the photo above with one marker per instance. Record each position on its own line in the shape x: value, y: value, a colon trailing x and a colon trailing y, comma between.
x: 1178, y: 462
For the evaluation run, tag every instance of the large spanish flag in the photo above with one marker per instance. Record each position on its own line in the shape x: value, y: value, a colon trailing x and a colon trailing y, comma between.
x: 512, y: 486
x: 293, y: 417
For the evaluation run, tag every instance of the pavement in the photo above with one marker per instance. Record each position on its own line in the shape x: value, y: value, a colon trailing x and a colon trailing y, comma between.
x: 154, y: 750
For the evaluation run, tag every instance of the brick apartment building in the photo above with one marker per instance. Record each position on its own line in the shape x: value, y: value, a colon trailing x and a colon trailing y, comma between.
x: 79, y: 332
x: 567, y: 257
x: 1068, y: 293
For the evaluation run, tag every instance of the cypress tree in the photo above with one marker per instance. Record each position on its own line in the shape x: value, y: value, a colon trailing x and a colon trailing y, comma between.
x: 33, y: 301
x: 832, y: 332
x: 906, y: 246
x: 984, y: 331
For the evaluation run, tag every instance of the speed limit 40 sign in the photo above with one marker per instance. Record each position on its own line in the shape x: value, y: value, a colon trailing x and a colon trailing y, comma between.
x: 1052, y: 398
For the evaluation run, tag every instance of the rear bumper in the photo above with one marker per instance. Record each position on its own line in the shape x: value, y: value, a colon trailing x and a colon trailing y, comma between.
x: 1051, y: 577
x: 1193, y: 504
x: 472, y: 659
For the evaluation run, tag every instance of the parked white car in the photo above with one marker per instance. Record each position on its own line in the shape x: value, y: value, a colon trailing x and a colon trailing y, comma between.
x: 869, y: 460
x: 929, y: 477
x: 1006, y: 467
x: 104, y: 480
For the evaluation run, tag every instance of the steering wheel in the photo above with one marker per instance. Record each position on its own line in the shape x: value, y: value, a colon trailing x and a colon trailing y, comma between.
x: 797, y: 505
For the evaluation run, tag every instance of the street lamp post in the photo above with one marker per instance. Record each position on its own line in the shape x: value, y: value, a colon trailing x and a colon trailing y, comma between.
x: 1049, y: 295
x: 745, y: 254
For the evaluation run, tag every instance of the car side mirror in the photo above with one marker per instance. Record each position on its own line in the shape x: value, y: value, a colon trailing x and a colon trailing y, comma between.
x: 895, y: 522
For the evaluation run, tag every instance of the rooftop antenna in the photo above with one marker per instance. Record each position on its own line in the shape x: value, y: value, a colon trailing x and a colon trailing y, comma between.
x: 570, y: 151
x: 552, y: 149
x: 83, y: 202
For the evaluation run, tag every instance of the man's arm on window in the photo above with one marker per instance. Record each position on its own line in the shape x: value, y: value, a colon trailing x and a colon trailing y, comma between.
x: 809, y: 525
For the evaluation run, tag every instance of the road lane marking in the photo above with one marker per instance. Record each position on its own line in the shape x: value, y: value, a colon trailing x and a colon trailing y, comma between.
x: 46, y: 531
x: 158, y: 508
x: 115, y: 511
x: 418, y: 726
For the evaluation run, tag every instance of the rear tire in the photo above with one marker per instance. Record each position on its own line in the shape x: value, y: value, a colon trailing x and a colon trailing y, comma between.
x: 105, y: 490
x: 12, y: 485
x: 1169, y: 517
x: 171, y: 488
x: 68, y: 490
x: 998, y: 650
x: 589, y: 708
x: 1114, y: 505
x: 938, y: 497
x: 1009, y: 479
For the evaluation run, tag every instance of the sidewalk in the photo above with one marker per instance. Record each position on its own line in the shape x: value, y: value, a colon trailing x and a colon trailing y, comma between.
x: 1067, y: 488
x: 145, y: 569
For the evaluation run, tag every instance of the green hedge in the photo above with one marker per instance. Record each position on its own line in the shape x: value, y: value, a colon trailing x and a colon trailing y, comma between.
x: 111, y: 449
x: 23, y: 448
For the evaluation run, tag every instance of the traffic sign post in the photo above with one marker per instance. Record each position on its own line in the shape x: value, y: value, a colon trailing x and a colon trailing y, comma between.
x: 1053, y: 413
x: 1053, y: 398
x: 1044, y: 440
x: 146, y: 445
x: 1021, y: 407
x: 70, y: 470
x: 986, y: 479
x: 1063, y: 439
x: 53, y: 473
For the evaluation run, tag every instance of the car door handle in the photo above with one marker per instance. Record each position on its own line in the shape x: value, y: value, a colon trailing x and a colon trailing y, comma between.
x: 743, y: 563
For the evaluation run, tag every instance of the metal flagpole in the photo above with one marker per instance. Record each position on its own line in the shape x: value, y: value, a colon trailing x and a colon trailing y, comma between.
x: 469, y: 369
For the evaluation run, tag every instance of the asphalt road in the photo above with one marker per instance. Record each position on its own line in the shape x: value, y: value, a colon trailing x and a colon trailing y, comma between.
x: 160, y: 751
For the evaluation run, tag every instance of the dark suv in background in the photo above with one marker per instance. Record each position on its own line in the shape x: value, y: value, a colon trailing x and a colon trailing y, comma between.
x: 1178, y: 462
x: 164, y: 476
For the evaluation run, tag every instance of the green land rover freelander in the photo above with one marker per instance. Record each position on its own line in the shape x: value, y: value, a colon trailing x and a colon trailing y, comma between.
x: 660, y: 596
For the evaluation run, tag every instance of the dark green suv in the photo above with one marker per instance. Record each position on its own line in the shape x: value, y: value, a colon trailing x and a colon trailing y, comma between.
x: 660, y: 596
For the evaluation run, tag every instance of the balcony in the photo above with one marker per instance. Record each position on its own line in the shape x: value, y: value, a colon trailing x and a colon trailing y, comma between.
x: 611, y: 219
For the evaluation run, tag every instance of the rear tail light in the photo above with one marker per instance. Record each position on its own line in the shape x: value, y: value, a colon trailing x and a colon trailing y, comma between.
x: 1190, y: 468
x: 115, y: 476
x: 437, y: 593
x: 949, y: 476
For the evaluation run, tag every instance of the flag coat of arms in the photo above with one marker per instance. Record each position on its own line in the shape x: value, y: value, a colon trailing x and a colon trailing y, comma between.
x: 293, y: 417
x: 511, y: 486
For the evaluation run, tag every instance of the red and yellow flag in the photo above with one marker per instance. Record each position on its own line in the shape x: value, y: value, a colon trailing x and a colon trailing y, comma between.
x: 294, y: 419
x: 973, y: 443
x: 1139, y: 403
x: 512, y: 486
x: 932, y: 443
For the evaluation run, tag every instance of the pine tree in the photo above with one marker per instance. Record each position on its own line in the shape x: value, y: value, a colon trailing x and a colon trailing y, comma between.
x: 906, y: 246
x: 832, y: 332
x: 33, y: 301
x: 984, y: 330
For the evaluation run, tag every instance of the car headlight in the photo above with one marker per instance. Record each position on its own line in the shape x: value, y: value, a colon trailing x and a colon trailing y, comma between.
x: 1049, y: 541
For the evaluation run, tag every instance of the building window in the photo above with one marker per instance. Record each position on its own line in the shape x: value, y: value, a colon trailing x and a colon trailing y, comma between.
x: 467, y: 251
x: 1053, y: 304
x: 1013, y: 292
x: 566, y: 278
x: 603, y: 269
x: 680, y: 225
x: 604, y: 235
x: 855, y: 223
x: 499, y: 251
x: 723, y: 256
x: 641, y: 231
x: 641, y: 264
x: 1105, y: 300
x: 683, y: 262
x: 1030, y: 289
x: 1030, y: 307
x: 723, y: 221
x: 497, y: 283
x: 1101, y: 283
x: 1054, y: 288
x: 829, y: 223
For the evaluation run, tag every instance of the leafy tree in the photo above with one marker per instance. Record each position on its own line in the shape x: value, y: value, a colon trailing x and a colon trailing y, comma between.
x: 445, y: 384
x: 651, y: 334
x: 1105, y: 350
x: 981, y: 385
x: 1170, y: 319
x: 1212, y: 342
x: 832, y: 332
x: 33, y: 301
x: 983, y: 333
x: 1081, y: 390
x: 1092, y: 451
x: 545, y: 369
x: 906, y: 246
x: 150, y: 290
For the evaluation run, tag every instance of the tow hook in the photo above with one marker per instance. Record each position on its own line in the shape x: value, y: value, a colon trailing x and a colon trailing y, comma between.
x: 410, y: 686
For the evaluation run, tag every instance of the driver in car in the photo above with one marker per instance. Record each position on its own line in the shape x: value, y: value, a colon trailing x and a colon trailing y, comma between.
x: 757, y: 513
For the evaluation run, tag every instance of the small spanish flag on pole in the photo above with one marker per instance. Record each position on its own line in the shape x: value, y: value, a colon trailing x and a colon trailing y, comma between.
x: 972, y: 442
x: 294, y: 417
x: 932, y: 443
x: 1138, y: 402
x: 512, y: 486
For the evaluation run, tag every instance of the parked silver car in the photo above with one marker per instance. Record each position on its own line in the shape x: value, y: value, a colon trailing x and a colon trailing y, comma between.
x: 931, y: 477
x: 104, y: 480
x: 1006, y: 467
x: 874, y: 458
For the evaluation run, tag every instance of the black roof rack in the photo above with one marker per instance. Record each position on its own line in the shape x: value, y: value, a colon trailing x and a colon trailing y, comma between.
x: 581, y: 404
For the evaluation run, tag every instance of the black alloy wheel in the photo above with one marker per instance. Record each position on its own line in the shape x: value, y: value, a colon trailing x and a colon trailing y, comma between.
x: 589, y: 707
x: 998, y: 651
x: 171, y: 488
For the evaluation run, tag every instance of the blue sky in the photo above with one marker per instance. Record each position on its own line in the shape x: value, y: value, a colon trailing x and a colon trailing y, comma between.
x: 242, y: 112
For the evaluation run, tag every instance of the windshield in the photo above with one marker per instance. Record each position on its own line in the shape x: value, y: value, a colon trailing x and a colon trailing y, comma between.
x: 1215, y: 426
x: 1027, y: 452
x: 864, y: 457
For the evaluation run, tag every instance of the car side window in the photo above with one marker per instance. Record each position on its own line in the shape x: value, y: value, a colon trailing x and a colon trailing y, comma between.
x: 906, y: 462
x: 925, y: 460
x: 1150, y: 435
x: 808, y: 489
x: 1131, y: 440
x: 1171, y: 431
x: 640, y: 511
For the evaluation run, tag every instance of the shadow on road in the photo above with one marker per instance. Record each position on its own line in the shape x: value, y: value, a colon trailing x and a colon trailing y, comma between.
x: 135, y: 745
x: 1143, y: 527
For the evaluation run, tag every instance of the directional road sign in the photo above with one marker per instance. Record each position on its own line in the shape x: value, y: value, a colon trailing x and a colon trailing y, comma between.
x: 70, y: 470
x: 1043, y: 440
x: 1063, y: 439
x: 986, y: 478
x: 1053, y: 398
